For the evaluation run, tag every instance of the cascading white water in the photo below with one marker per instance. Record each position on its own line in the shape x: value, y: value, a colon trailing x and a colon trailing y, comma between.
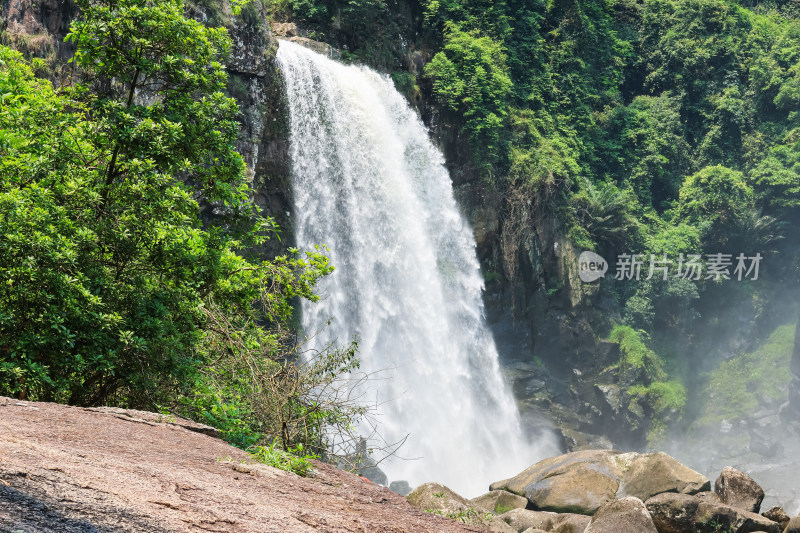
x: 369, y: 184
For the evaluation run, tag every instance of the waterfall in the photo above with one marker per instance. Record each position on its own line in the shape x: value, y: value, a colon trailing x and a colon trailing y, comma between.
x: 369, y: 184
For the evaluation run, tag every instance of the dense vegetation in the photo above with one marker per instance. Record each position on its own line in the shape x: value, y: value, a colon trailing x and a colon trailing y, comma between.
x: 653, y: 127
x: 112, y: 290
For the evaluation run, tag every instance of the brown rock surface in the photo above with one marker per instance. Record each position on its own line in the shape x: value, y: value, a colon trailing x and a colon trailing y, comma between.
x: 679, y: 513
x: 71, y: 470
x: 739, y: 490
x: 777, y: 514
x: 580, y: 482
x: 625, y: 515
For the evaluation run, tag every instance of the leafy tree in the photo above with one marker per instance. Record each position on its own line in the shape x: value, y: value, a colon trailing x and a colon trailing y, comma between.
x: 717, y: 200
x: 470, y: 77
x: 109, y: 283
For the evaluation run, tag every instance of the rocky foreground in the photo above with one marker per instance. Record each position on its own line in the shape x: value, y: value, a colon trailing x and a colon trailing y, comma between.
x: 70, y: 470
x: 601, y: 491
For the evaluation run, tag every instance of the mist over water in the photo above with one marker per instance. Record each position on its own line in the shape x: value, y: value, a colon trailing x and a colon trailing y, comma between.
x: 369, y: 184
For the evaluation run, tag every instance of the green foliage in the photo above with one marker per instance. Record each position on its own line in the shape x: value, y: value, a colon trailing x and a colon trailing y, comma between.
x: 717, y: 200
x: 293, y: 460
x: 737, y: 385
x: 465, y: 516
x: 470, y: 77
x: 111, y: 289
x: 635, y: 353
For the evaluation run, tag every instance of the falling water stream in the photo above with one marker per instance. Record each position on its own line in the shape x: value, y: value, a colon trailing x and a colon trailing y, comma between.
x: 369, y: 184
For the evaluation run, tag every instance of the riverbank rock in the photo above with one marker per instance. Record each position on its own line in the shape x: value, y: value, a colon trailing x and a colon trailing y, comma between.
x: 499, y: 501
x: 793, y: 526
x: 437, y: 499
x: 739, y: 490
x: 580, y: 482
x: 524, y: 521
x: 679, y: 513
x: 777, y: 514
x: 625, y: 515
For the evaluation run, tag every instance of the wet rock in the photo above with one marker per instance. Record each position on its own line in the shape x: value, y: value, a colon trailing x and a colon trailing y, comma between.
x: 499, y: 501
x: 653, y: 473
x: 570, y: 523
x: 522, y: 520
x: 580, y: 489
x: 498, y: 526
x: 400, y: 487
x: 709, y: 496
x: 739, y: 490
x: 763, y: 445
x: 793, y: 526
x: 580, y: 482
x: 284, y: 29
x: 679, y: 513
x: 625, y: 515
x: 317, y: 46
x: 777, y: 514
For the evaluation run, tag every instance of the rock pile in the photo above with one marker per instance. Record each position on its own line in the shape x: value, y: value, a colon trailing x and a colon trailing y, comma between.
x: 602, y: 491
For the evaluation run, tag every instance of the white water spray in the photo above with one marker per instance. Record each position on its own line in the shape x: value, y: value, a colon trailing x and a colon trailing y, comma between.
x: 369, y: 184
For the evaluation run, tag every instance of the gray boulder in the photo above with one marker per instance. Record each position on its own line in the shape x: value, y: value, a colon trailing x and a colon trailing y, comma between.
x: 499, y: 501
x: 400, y: 487
x: 580, y: 482
x: 679, y: 513
x: 737, y: 489
x: 625, y: 515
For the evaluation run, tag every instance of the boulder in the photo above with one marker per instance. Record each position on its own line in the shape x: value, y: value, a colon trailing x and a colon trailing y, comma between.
x: 737, y: 489
x: 436, y: 498
x: 709, y: 496
x: 579, y: 489
x: 523, y: 520
x: 777, y: 514
x: 497, y: 526
x: 625, y: 515
x: 534, y: 530
x: 499, y: 501
x: 580, y: 482
x: 793, y: 526
x: 570, y: 523
x: 400, y: 487
x: 678, y: 513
